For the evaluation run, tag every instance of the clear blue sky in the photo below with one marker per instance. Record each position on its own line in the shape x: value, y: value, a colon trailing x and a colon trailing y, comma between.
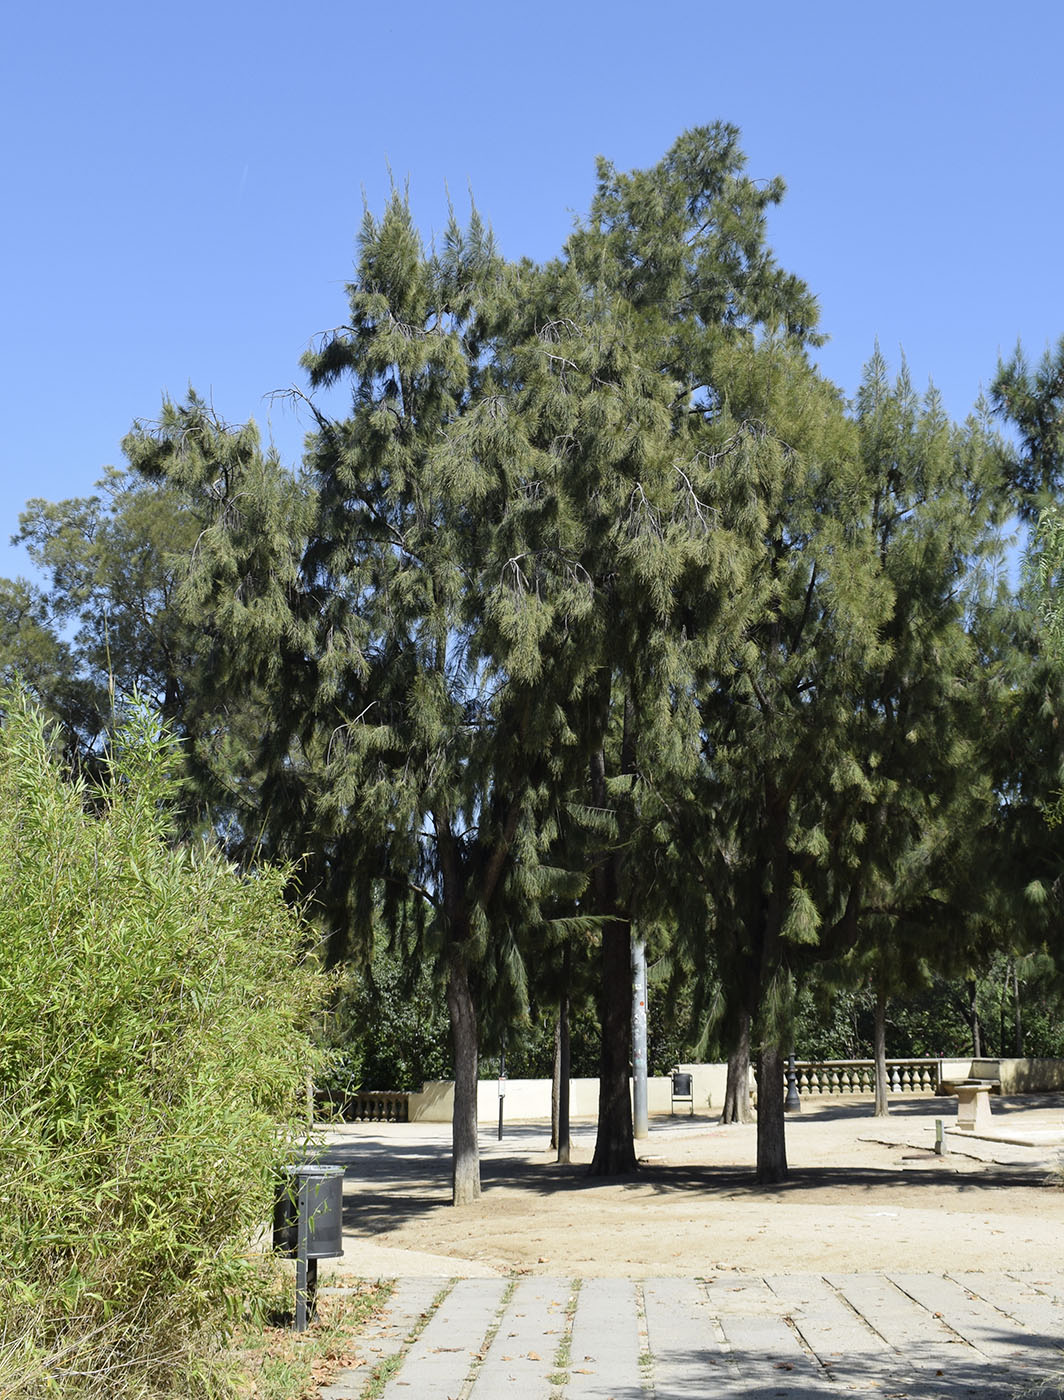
x: 184, y: 184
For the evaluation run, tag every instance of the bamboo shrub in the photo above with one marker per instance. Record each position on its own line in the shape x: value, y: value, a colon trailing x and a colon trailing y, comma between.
x: 154, y: 1005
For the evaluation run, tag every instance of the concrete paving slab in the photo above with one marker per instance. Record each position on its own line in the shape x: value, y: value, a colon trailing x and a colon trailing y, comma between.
x: 904, y: 1325
x: 605, y: 1346
x: 980, y: 1323
x: 520, y: 1360
x: 838, y: 1337
x: 690, y: 1358
x: 386, y: 1334
x: 765, y: 1347
x: 442, y: 1358
x: 745, y: 1295
x: 1032, y: 1307
x: 778, y: 1337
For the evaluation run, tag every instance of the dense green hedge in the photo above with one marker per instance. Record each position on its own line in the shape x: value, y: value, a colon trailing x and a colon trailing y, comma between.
x: 153, y: 1013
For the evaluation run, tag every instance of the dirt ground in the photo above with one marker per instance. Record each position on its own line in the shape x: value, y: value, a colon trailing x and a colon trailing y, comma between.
x: 862, y: 1195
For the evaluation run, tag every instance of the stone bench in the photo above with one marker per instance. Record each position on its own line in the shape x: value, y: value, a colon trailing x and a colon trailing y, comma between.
x: 973, y: 1103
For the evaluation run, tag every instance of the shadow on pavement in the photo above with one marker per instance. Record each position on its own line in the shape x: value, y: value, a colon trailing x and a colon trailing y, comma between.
x: 373, y: 1207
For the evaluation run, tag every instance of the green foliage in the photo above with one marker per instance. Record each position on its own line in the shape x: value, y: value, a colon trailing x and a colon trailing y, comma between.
x: 113, y: 560
x: 154, y: 1044
x: 1032, y: 400
x: 1046, y: 576
x: 386, y: 1029
x: 598, y: 609
x: 280, y: 1364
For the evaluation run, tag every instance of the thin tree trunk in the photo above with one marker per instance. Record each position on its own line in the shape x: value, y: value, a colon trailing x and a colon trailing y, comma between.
x: 1019, y: 1019
x: 880, y: 1033
x: 556, y: 1077
x: 641, y: 1125
x: 564, y: 1143
x: 1003, y: 996
x: 614, y: 1145
x: 973, y: 1020
x: 737, y: 1107
x: 771, y: 1134
x: 466, y: 1152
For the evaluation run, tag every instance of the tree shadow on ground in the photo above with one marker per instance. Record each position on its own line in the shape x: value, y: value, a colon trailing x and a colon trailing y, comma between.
x: 390, y: 1182
x: 373, y: 1207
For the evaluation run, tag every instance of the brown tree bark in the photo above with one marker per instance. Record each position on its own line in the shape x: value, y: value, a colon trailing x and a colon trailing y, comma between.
x: 973, y: 1020
x: 882, y: 1108
x: 465, y: 1187
x: 614, y: 1142
x: 771, y: 1137
x: 615, y: 1145
x: 737, y: 1106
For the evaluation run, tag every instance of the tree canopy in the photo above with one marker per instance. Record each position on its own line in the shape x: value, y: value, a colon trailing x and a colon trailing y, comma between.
x: 597, y: 610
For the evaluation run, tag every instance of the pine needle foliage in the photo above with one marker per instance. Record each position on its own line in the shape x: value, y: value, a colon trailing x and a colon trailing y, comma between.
x: 492, y: 592
x: 842, y: 780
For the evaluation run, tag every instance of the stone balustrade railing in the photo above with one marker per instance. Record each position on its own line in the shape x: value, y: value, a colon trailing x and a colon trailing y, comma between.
x: 383, y: 1107
x: 373, y: 1106
x: 912, y: 1076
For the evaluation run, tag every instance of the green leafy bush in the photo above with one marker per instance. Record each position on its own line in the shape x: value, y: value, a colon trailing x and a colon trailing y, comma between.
x: 153, y: 1014
x: 387, y: 1028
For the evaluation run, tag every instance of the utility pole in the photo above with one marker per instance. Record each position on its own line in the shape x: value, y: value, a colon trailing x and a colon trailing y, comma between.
x: 640, y: 1125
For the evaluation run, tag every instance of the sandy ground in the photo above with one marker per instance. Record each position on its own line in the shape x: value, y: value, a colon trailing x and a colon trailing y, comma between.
x: 862, y: 1195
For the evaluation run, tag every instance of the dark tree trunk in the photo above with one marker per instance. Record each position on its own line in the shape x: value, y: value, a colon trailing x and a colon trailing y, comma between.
x: 556, y: 1078
x: 564, y: 1145
x: 973, y: 1020
x: 737, y: 1108
x: 880, y: 1035
x: 1006, y: 989
x: 615, y: 1145
x: 466, y: 1152
x: 1019, y: 1020
x: 771, y: 1136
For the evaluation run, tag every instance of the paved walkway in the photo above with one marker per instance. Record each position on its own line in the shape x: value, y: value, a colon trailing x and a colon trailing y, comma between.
x: 756, y: 1337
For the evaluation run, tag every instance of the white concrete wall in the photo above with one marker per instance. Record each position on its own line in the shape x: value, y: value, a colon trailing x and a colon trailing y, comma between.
x: 1025, y: 1076
x: 1017, y: 1076
x: 529, y: 1099
x: 953, y: 1070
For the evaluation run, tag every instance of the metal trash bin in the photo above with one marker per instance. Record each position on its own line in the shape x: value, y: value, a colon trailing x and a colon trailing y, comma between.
x: 682, y: 1090
x: 308, y: 1226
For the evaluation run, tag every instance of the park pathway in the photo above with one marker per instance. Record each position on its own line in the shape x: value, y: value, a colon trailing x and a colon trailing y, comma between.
x: 732, y: 1336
